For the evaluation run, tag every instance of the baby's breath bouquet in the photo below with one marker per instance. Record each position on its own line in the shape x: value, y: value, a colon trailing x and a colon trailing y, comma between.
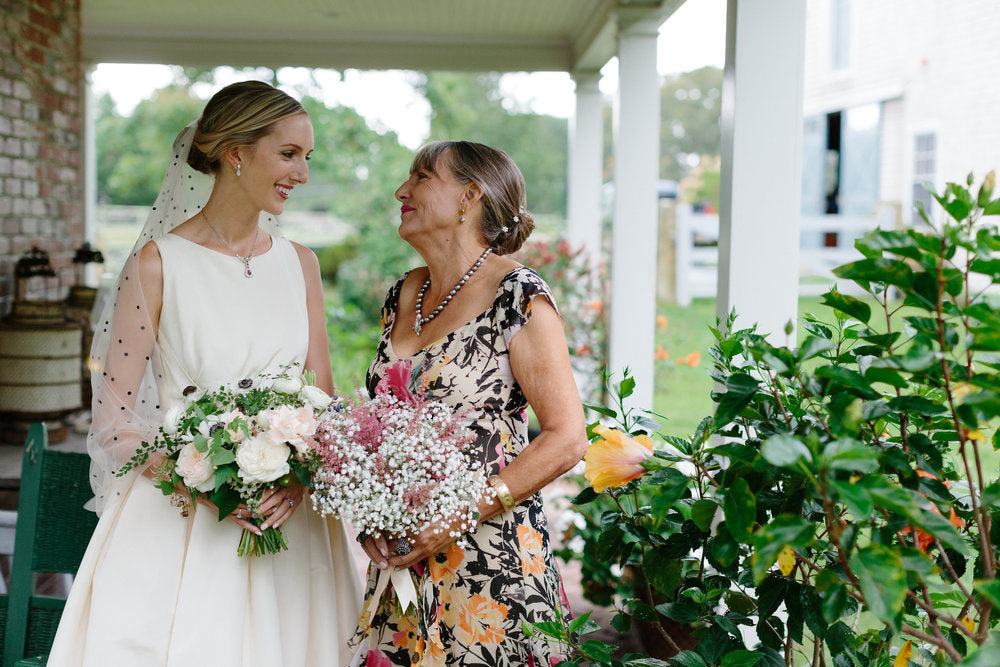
x: 398, y: 462
x: 234, y: 443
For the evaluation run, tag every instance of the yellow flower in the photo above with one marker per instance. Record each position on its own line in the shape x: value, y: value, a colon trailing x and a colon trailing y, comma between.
x: 969, y: 624
x: 615, y: 458
x: 962, y: 389
x: 903, y: 657
x: 786, y: 560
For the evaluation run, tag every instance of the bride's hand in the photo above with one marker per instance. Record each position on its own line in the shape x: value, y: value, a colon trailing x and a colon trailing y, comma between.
x: 241, y: 516
x: 280, y: 504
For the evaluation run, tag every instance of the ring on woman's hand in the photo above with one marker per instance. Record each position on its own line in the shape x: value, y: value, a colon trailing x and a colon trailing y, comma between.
x: 362, y: 537
x: 402, y: 547
x: 291, y: 503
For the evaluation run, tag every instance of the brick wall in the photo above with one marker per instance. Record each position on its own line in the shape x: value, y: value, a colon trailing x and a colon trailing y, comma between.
x: 41, y: 141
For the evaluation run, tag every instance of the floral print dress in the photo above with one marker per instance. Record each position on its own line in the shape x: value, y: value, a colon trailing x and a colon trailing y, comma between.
x: 473, y: 600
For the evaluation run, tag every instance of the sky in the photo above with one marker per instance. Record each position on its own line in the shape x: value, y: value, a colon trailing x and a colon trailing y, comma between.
x: 692, y: 38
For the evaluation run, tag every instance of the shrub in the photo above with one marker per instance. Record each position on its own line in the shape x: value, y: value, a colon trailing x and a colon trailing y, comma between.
x: 843, y: 502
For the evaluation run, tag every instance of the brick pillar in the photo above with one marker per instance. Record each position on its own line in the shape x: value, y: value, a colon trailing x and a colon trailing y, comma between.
x: 41, y: 140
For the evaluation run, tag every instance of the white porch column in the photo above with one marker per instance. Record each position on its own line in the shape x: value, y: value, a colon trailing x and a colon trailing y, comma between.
x: 586, y: 144
x: 760, y: 189
x: 633, y: 255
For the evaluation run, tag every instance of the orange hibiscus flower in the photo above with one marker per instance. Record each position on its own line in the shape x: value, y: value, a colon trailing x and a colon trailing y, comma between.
x: 615, y: 458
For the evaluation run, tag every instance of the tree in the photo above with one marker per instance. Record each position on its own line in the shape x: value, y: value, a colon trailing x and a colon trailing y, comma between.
x: 470, y: 107
x: 690, y: 105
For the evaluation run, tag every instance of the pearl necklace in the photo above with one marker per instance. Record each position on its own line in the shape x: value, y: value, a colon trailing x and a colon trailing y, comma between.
x: 246, y: 260
x: 420, y: 321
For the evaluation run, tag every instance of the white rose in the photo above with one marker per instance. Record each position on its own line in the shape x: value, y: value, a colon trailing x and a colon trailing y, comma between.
x: 261, y: 459
x: 195, y: 468
x: 286, y: 385
x: 315, y: 397
x: 172, y: 419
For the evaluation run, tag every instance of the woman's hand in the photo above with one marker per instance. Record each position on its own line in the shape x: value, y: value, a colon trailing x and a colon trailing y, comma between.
x: 424, y: 544
x: 280, y: 503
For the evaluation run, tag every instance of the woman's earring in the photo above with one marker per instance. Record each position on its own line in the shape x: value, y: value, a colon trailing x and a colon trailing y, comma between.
x: 237, y: 168
x: 461, y: 214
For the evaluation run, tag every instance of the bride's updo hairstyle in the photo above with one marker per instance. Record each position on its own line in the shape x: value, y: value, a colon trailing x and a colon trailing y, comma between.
x: 238, y: 115
x: 506, y: 221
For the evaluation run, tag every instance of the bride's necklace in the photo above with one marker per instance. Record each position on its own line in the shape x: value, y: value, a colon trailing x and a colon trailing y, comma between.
x: 420, y: 321
x: 246, y: 260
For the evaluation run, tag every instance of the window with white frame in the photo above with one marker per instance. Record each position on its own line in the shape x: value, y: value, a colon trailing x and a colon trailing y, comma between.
x: 924, y: 166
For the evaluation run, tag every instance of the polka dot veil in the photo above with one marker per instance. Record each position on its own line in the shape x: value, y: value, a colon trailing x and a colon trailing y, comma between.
x: 126, y: 406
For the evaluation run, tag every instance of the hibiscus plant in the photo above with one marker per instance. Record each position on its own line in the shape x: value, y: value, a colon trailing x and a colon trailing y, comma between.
x: 842, y: 505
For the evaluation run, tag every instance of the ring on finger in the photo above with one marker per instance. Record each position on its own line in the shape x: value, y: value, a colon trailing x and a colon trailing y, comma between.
x: 291, y: 503
x: 402, y: 547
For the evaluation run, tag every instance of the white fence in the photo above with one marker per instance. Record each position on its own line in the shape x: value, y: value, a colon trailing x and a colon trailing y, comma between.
x: 826, y: 241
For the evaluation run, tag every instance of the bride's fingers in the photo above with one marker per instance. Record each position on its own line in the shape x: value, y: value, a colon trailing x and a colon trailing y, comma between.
x: 242, y: 516
x: 281, y: 513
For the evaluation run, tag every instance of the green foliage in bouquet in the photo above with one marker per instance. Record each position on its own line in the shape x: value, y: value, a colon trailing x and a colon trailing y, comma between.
x: 842, y: 505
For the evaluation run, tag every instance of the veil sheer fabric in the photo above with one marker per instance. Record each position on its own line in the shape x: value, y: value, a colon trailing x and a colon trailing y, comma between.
x: 126, y: 407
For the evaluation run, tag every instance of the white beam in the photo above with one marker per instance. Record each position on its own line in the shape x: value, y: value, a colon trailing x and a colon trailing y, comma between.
x: 633, y: 257
x: 586, y: 148
x: 761, y: 180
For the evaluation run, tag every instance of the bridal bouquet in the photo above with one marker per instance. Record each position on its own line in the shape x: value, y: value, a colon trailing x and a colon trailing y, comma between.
x: 236, y: 442
x: 397, y: 462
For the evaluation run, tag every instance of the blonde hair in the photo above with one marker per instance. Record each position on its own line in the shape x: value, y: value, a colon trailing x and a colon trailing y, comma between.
x: 238, y: 115
x: 497, y: 177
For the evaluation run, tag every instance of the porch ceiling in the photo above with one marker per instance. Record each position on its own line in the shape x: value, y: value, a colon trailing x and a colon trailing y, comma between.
x: 474, y: 35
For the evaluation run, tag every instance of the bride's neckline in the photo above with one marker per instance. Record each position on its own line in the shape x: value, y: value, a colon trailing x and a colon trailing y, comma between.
x: 223, y: 253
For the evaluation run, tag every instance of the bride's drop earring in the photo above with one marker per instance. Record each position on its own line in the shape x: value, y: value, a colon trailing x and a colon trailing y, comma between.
x: 237, y: 168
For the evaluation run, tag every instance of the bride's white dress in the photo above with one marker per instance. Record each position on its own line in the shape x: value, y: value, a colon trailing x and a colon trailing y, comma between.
x: 158, y: 589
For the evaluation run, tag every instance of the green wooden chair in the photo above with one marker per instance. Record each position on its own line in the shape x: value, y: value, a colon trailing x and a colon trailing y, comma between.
x: 52, y: 533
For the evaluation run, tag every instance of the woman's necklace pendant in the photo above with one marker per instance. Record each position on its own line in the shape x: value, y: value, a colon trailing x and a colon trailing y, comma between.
x: 246, y: 267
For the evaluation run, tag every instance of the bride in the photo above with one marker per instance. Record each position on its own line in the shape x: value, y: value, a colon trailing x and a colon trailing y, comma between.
x: 210, y: 294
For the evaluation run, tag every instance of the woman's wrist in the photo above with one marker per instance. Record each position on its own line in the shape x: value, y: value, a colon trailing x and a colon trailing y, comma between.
x: 502, y: 492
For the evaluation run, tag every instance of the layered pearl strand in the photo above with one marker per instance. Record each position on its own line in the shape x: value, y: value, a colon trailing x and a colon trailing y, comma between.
x: 420, y: 321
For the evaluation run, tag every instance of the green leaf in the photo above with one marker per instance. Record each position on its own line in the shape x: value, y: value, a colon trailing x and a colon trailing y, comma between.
x: 740, y: 389
x: 610, y: 543
x: 784, y: 530
x: 221, y: 456
x: 683, y: 612
x: 585, y: 496
x: 855, y: 497
x: 812, y: 611
x: 834, y: 602
x: 990, y: 589
x: 813, y: 346
x: 848, y: 305
x: 583, y: 625
x: 741, y: 658
x: 991, y: 495
x: 850, y: 454
x: 600, y: 409
x: 987, y: 655
x: 662, y: 570
x: 596, y: 650
x: 883, y: 581
x: 688, y: 659
x: 626, y: 387
x: 724, y: 548
x: 886, y: 375
x: 740, y: 509
x: 848, y: 378
x: 917, y: 404
x: 703, y: 512
x: 785, y: 451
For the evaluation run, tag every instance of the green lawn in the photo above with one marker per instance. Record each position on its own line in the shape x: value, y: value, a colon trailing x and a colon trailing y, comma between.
x: 683, y: 390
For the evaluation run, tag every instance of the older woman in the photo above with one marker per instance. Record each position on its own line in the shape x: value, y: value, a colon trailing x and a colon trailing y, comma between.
x: 487, y: 337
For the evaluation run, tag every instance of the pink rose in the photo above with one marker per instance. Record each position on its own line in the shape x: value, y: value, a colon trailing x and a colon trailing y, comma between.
x: 289, y: 425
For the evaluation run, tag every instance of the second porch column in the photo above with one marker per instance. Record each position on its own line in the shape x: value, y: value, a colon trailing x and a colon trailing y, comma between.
x: 634, y: 241
x: 761, y: 181
x: 586, y: 146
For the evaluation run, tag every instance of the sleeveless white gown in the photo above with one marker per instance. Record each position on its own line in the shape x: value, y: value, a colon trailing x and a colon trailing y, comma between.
x: 156, y: 589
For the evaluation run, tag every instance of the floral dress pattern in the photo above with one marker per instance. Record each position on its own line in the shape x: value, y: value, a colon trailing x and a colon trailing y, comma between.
x: 473, y: 600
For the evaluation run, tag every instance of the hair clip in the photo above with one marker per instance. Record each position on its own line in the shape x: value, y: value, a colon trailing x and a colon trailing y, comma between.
x: 504, y: 229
